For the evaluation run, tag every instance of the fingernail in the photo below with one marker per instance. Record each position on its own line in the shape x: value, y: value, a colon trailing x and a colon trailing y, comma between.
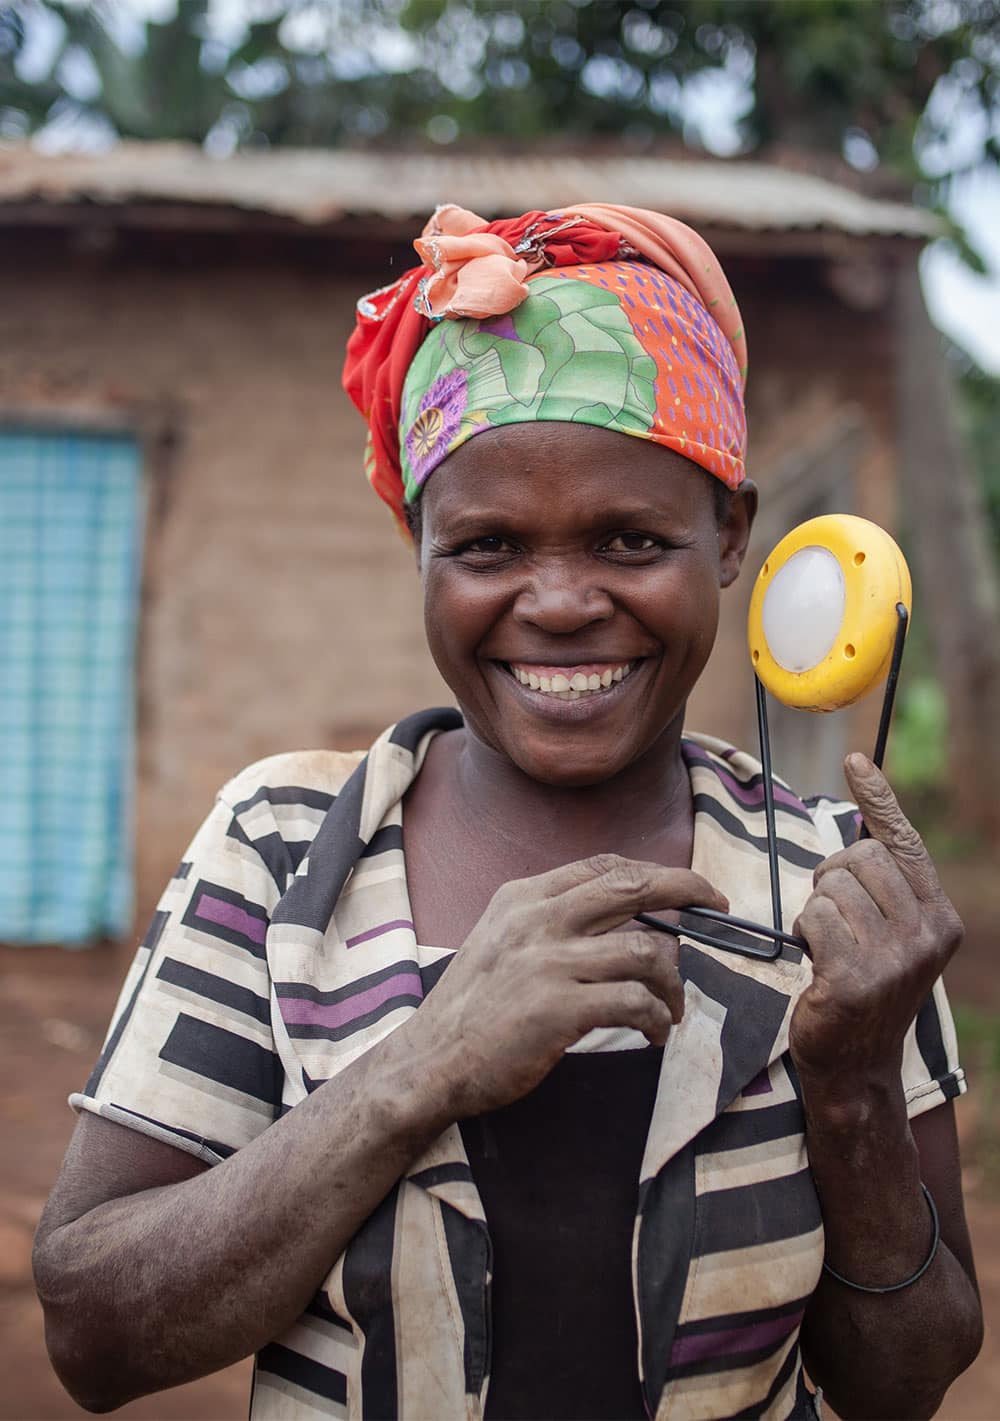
x: 857, y: 762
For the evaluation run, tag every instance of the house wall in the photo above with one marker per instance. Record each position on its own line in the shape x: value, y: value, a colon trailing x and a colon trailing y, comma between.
x: 281, y: 608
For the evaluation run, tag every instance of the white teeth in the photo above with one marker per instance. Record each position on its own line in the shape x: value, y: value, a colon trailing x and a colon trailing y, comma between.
x: 571, y: 688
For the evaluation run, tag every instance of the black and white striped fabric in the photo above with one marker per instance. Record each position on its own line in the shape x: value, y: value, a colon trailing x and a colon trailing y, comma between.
x: 284, y: 948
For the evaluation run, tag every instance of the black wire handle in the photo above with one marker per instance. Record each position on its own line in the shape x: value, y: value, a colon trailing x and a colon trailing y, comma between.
x: 768, y: 950
x: 768, y: 784
x: 889, y: 696
x: 773, y: 939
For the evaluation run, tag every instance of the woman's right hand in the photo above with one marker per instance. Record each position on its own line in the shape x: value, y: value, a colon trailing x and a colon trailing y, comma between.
x: 548, y: 961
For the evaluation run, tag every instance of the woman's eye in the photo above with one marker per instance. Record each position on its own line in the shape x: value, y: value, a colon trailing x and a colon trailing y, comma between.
x: 486, y: 547
x: 631, y: 543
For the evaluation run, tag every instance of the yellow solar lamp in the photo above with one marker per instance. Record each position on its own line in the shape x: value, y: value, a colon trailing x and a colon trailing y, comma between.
x: 827, y: 624
x: 824, y: 616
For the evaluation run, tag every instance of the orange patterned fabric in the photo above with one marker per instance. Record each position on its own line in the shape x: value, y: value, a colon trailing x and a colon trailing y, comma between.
x: 699, y: 406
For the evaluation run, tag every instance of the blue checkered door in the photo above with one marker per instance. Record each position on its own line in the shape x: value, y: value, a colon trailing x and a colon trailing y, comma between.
x: 70, y: 554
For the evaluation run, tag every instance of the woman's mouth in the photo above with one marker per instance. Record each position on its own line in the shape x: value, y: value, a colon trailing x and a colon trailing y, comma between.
x: 570, y: 683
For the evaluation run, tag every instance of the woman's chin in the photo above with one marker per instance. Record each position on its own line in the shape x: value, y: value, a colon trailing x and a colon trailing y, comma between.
x: 563, y: 774
x: 573, y: 761
x: 570, y: 743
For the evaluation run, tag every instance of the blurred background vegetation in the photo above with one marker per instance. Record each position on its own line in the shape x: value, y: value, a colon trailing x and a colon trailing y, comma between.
x: 872, y: 81
x: 902, y: 95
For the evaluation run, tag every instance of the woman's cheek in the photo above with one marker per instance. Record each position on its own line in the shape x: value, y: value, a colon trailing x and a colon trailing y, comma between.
x: 457, y: 618
x: 683, y: 611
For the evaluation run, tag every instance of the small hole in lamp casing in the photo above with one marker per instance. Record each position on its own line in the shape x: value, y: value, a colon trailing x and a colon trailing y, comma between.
x: 849, y: 652
x: 765, y: 569
x: 756, y: 657
x: 858, y: 559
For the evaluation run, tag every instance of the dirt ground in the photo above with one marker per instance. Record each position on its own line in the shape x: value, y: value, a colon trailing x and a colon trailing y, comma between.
x: 54, y: 1007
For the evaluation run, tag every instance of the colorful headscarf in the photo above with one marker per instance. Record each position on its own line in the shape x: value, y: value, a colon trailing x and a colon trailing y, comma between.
x: 604, y: 315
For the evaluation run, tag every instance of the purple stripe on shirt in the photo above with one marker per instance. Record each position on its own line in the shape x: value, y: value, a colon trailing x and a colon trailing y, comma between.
x: 379, y: 930
x: 760, y: 1085
x: 750, y: 798
x: 702, y: 1345
x: 297, y: 1011
x: 228, y: 915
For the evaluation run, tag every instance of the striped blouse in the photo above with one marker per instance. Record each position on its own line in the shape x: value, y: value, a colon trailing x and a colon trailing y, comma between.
x: 283, y: 948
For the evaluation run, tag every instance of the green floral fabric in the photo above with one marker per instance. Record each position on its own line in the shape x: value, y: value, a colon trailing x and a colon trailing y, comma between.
x: 569, y: 352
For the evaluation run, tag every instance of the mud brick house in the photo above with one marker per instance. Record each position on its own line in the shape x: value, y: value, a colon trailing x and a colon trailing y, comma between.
x: 198, y: 573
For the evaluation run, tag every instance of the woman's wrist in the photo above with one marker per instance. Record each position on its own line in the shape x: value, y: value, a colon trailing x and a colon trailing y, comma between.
x: 867, y: 1173
x: 849, y: 1102
x: 413, y: 1094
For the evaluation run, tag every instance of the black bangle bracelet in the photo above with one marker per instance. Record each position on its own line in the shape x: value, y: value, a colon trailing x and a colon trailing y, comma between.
x: 895, y: 1287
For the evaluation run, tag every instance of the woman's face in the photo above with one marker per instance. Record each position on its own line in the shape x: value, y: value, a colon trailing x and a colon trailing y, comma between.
x: 554, y: 552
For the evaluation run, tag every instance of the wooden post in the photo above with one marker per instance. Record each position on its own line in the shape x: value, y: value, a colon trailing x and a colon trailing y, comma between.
x: 953, y: 564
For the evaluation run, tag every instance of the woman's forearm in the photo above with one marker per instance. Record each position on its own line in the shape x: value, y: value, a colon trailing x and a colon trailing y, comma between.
x: 892, y: 1354
x: 158, y: 1288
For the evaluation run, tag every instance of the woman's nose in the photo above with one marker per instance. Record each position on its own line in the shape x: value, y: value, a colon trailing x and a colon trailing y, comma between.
x: 559, y: 603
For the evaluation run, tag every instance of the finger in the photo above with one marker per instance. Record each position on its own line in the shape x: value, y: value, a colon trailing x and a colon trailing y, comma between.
x: 824, y: 928
x: 874, y: 867
x: 610, y: 898
x: 625, y: 956
x: 887, y: 823
x: 855, y: 904
x: 582, y: 872
x: 628, y: 1004
x: 558, y: 881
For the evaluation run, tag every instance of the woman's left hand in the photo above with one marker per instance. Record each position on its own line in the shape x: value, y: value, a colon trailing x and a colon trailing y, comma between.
x: 881, y: 930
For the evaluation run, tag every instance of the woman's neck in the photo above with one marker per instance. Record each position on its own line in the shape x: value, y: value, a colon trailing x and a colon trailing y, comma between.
x: 644, y: 812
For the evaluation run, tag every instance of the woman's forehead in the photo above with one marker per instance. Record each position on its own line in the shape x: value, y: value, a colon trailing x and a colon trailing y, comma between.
x: 561, y: 469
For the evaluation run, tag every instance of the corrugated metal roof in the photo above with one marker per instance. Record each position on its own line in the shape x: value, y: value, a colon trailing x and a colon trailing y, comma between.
x: 320, y: 186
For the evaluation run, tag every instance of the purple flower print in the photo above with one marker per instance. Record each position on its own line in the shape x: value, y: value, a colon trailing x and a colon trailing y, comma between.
x: 438, y: 417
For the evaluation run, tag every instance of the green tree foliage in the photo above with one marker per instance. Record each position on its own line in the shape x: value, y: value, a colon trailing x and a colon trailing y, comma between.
x: 877, y: 80
x: 820, y: 74
x: 158, y: 90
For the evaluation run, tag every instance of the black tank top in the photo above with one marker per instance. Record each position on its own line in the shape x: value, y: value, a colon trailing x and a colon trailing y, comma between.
x: 558, y: 1173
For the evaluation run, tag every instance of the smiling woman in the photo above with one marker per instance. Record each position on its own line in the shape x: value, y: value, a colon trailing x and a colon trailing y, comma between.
x: 566, y: 553
x: 399, y: 1094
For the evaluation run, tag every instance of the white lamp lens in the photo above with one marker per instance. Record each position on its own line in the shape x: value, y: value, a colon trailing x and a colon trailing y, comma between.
x: 804, y: 608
